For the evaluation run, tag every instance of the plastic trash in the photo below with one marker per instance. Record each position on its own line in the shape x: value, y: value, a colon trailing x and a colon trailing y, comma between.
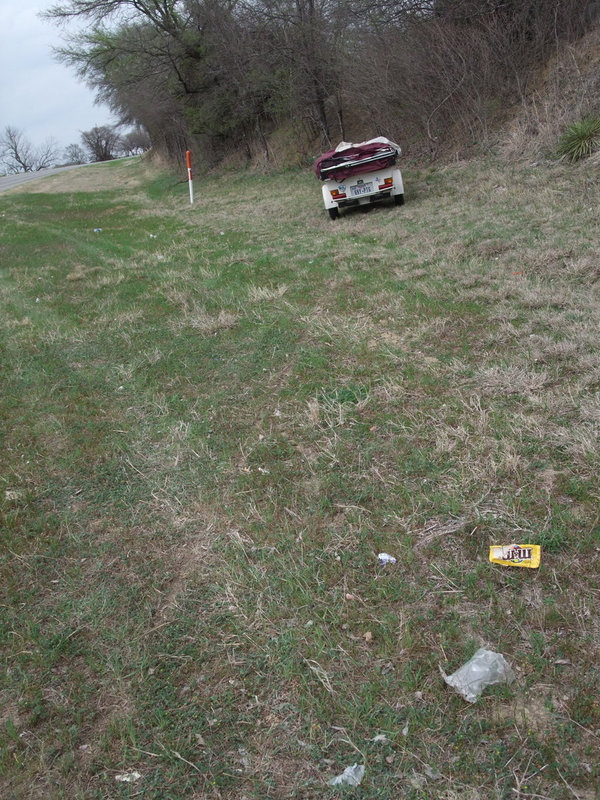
x: 351, y: 776
x: 386, y: 558
x: 486, y: 668
x: 516, y: 555
x: 131, y: 776
x: 97, y: 230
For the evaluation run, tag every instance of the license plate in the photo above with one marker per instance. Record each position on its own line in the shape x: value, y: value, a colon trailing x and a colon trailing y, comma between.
x: 364, y: 188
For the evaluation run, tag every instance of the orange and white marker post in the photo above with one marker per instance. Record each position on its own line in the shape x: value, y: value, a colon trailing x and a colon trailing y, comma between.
x: 188, y: 156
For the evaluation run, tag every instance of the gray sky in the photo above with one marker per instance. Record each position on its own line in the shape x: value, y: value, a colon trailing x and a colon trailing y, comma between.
x: 39, y: 96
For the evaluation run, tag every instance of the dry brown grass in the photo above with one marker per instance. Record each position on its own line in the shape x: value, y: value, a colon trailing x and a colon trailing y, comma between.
x: 93, y: 178
x: 565, y: 92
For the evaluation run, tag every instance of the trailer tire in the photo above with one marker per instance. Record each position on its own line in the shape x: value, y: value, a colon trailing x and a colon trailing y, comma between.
x: 399, y: 199
x: 334, y: 212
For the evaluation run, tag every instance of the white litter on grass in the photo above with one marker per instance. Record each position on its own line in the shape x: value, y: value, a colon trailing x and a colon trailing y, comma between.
x: 351, y: 776
x: 381, y: 737
x: 417, y: 781
x: 128, y: 777
x: 432, y: 774
x: 486, y: 668
x: 386, y: 558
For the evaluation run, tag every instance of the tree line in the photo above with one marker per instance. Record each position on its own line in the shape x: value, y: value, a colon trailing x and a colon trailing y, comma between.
x: 100, y: 143
x: 219, y: 75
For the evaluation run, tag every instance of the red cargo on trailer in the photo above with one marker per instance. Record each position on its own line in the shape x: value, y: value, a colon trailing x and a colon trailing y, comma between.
x: 360, y: 174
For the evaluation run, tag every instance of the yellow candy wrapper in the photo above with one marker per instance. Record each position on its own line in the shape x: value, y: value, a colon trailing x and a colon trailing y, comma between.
x: 516, y: 555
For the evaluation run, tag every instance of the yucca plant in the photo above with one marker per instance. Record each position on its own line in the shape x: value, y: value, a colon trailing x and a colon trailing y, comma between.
x: 581, y: 139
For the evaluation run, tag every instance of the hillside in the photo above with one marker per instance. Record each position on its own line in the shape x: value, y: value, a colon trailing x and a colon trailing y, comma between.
x: 563, y: 92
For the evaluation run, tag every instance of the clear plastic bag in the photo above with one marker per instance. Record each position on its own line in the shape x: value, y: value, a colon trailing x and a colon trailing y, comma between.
x: 351, y: 776
x: 486, y: 668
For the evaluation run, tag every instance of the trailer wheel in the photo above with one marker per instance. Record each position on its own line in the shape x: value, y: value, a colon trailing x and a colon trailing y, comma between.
x: 334, y: 212
x: 399, y: 199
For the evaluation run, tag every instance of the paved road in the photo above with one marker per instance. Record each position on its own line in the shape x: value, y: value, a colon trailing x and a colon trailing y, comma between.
x: 8, y: 181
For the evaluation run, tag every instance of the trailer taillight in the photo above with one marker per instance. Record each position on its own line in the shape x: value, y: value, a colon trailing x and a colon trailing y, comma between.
x: 337, y: 195
x: 387, y: 184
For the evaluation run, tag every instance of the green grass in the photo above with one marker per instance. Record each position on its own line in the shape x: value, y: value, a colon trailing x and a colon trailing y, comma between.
x: 581, y: 139
x: 212, y: 420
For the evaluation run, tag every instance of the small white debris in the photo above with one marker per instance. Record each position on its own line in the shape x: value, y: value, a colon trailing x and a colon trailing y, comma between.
x: 131, y: 776
x: 432, y: 774
x: 386, y: 558
x: 351, y: 776
x: 485, y: 668
x: 381, y: 737
x: 417, y: 781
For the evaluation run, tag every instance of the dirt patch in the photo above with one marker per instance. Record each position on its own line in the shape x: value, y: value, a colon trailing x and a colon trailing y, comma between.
x: 10, y: 714
x: 530, y: 712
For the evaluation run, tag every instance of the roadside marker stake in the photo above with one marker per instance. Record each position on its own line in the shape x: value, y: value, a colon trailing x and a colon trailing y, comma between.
x: 188, y: 156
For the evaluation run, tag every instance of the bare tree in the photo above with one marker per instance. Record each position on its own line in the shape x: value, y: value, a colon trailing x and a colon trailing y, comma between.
x: 19, y: 155
x: 135, y: 142
x: 75, y: 154
x: 101, y: 142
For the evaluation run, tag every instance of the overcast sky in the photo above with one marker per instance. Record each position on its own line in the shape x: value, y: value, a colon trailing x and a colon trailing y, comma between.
x: 39, y: 96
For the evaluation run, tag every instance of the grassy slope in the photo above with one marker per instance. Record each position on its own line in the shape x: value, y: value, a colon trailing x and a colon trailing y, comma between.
x: 214, y: 418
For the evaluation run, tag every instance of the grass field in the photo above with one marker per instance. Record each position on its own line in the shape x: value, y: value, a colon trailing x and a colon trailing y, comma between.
x: 213, y: 418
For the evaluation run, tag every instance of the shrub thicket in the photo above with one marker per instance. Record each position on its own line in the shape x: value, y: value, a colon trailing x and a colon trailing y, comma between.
x: 217, y: 75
